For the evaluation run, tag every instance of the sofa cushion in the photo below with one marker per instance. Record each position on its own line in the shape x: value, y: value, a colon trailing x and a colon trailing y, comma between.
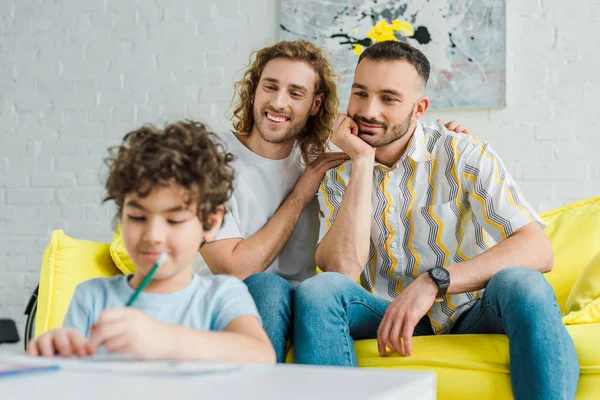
x: 66, y: 263
x: 119, y: 254
x: 583, y: 304
x: 575, y: 236
x: 478, y: 365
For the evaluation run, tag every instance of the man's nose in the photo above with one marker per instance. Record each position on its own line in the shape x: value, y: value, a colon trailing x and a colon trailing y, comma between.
x: 371, y: 109
x: 279, y: 101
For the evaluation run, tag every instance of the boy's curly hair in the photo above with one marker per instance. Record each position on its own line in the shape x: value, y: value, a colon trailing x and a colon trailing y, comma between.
x: 185, y: 153
x: 313, y: 139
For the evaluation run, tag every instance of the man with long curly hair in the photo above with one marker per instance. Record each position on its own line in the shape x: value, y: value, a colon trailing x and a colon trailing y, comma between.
x: 284, y: 107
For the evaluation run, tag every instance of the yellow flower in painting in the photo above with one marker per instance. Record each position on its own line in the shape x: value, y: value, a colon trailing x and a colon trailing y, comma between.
x: 358, y: 48
x: 384, y: 31
x: 404, y: 28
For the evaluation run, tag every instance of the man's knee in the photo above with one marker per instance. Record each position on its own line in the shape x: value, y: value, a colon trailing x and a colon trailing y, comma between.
x: 268, y: 287
x: 322, y: 287
x: 523, y: 286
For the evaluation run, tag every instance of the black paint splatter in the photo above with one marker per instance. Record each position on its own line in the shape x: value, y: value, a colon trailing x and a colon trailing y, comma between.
x: 283, y: 28
x: 452, y: 44
x: 366, y: 42
x: 390, y: 14
x: 340, y: 14
x: 413, y: 18
x: 374, y: 17
x: 422, y: 35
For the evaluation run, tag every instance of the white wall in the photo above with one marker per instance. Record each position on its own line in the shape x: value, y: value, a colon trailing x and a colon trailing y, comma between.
x: 75, y: 75
x: 546, y: 134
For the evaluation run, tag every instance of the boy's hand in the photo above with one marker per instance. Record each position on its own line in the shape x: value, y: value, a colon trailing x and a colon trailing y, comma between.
x: 65, y: 342
x: 130, y: 331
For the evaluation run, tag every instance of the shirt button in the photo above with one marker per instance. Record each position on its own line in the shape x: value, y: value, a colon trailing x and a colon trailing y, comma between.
x: 390, y: 174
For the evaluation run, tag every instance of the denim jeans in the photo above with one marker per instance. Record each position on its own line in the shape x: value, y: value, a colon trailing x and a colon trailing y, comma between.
x: 331, y: 311
x: 273, y: 296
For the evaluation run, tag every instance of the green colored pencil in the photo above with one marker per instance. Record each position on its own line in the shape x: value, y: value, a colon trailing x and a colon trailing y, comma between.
x: 160, y: 261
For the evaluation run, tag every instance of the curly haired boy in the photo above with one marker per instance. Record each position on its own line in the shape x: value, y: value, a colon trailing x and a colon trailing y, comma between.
x: 169, y: 187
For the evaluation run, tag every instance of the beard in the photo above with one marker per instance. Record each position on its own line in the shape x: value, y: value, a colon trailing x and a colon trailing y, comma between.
x: 275, y: 135
x: 390, y: 134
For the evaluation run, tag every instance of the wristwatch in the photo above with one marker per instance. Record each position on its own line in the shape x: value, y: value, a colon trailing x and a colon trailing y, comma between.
x: 441, y: 277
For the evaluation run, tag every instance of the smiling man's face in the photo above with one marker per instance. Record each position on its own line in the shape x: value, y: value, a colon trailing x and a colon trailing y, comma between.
x: 284, y: 99
x: 382, y: 103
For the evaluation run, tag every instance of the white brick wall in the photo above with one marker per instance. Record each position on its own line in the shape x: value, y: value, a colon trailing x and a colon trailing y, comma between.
x: 545, y: 134
x: 75, y: 75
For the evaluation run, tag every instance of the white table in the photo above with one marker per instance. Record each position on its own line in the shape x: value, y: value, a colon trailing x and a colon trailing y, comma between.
x: 282, y: 382
x: 12, y: 348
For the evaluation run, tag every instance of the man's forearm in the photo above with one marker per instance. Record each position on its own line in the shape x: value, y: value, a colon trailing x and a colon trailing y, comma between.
x: 528, y: 247
x: 257, y: 252
x: 345, y: 248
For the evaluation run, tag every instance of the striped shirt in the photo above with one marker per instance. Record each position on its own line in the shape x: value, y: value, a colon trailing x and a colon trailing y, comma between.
x: 448, y: 199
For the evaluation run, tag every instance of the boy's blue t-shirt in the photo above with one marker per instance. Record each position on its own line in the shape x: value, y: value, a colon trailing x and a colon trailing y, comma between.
x: 207, y: 303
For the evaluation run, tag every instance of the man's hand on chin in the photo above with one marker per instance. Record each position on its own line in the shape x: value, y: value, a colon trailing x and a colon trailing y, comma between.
x: 345, y: 136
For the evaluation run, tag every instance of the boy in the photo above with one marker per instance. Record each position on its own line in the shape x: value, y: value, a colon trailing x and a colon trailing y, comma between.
x: 169, y: 187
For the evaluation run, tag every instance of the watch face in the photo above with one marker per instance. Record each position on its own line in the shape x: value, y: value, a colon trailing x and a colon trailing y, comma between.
x: 439, y: 274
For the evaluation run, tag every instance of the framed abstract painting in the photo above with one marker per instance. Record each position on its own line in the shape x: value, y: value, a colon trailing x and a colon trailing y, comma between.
x: 464, y: 40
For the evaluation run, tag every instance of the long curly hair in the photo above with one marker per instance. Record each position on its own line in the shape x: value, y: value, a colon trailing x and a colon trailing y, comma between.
x: 313, y: 139
x: 185, y: 153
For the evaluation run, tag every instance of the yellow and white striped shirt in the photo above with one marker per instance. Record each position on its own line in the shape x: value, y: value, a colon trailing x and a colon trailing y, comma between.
x: 446, y: 200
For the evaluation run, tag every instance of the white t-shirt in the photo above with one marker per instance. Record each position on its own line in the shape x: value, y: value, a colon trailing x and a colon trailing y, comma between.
x: 260, y: 186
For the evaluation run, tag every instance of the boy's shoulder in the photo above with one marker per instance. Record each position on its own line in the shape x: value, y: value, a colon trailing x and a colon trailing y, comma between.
x: 100, y: 285
x: 217, y: 282
x: 103, y: 281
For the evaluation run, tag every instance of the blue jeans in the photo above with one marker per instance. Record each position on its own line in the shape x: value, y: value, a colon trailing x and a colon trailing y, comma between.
x: 332, y: 311
x: 273, y: 296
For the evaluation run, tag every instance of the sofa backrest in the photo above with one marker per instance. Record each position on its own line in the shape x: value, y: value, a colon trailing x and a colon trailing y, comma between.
x: 574, y: 231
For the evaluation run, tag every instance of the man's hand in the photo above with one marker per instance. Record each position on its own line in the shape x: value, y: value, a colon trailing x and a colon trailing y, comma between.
x: 403, y: 314
x: 345, y: 136
x: 455, y: 127
x: 65, y: 342
x: 130, y: 331
x: 308, y: 184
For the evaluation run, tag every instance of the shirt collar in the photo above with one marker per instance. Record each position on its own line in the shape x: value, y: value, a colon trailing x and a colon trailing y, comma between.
x: 417, y: 149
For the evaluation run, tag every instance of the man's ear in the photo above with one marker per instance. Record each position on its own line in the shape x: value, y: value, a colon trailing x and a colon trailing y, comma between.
x: 317, y: 104
x: 420, y: 108
x: 216, y: 219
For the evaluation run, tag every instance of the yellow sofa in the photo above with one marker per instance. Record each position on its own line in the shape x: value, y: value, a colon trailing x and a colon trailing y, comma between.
x: 466, y: 365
